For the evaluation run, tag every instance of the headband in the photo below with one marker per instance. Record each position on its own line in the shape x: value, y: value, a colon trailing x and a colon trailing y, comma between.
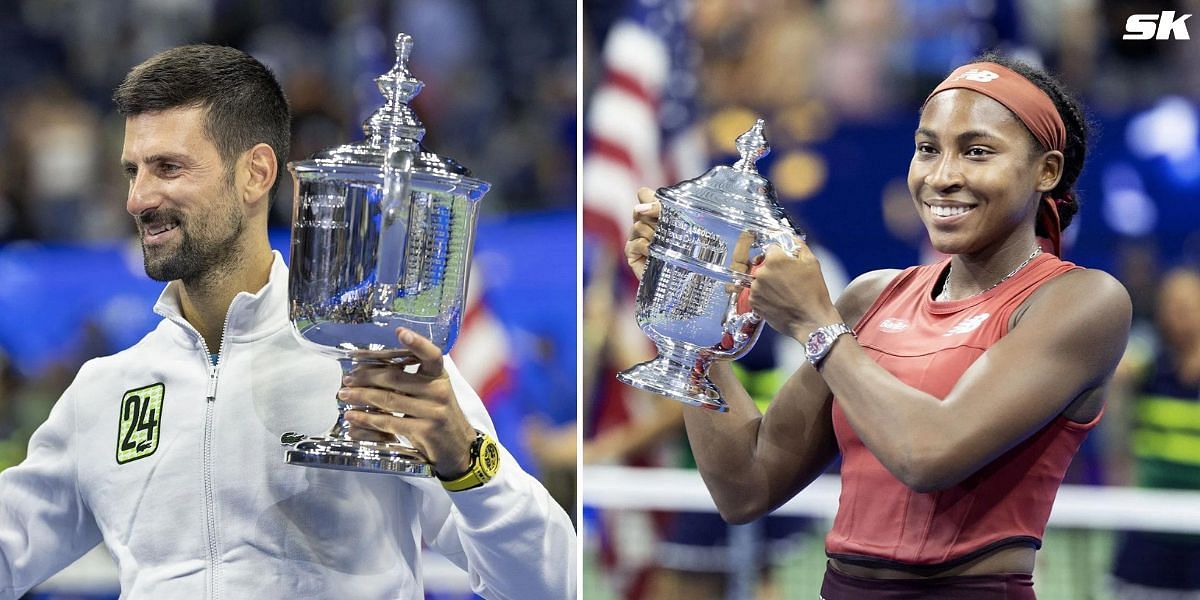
x: 1035, y: 110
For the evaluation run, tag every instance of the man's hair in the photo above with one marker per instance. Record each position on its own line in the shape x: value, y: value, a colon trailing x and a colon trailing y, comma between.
x: 1075, y: 120
x: 242, y: 101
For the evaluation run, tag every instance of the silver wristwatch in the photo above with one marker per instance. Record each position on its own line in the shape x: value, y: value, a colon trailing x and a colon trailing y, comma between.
x: 821, y: 340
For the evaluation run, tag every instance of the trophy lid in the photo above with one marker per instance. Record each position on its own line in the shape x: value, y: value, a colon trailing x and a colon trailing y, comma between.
x: 394, y: 126
x: 737, y: 193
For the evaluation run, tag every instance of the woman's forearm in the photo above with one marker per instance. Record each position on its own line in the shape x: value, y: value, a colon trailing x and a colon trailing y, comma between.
x: 752, y: 462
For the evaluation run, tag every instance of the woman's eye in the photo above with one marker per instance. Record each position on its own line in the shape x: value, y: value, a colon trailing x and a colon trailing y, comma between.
x: 978, y: 152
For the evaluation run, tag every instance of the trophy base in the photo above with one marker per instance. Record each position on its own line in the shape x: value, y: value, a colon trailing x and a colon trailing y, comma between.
x: 685, y: 382
x: 358, y: 455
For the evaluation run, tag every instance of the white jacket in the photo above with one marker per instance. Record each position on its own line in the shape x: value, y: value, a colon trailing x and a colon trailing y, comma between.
x: 212, y: 511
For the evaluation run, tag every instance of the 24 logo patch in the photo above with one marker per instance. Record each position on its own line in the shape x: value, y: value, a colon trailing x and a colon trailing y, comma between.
x: 141, y: 417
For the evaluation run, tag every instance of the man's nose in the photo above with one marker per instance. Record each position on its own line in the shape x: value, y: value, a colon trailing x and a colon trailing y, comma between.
x: 143, y: 194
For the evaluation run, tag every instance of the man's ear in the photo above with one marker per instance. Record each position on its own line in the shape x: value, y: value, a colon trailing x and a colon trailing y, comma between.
x: 1051, y: 164
x: 262, y: 169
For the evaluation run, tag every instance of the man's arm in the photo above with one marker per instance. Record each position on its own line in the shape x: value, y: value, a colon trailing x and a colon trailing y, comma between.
x: 44, y: 523
x: 510, y: 535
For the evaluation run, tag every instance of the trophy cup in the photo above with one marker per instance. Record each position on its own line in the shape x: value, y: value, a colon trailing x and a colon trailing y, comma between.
x: 693, y: 298
x: 382, y: 232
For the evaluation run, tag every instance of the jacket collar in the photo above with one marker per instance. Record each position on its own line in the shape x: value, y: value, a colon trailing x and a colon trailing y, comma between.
x: 250, y: 315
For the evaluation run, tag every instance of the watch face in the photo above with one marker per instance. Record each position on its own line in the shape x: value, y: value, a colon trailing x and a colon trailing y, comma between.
x: 489, y: 458
x: 816, y: 342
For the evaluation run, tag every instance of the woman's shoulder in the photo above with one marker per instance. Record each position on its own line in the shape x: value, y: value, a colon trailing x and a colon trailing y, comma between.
x: 862, y: 293
x: 1083, y: 291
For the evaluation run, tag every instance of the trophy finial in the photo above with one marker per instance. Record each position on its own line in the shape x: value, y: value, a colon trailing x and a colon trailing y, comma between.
x: 752, y: 146
x: 403, y: 45
x: 395, y: 121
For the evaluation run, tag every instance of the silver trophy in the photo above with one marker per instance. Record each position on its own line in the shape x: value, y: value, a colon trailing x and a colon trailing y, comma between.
x: 693, y: 299
x: 382, y: 232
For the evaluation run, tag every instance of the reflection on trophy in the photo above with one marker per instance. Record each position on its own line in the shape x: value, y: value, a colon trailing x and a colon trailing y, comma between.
x: 382, y: 232
x: 693, y: 299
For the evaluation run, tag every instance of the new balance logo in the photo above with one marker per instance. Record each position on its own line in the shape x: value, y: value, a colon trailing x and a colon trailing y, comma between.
x: 978, y: 75
x: 1163, y: 26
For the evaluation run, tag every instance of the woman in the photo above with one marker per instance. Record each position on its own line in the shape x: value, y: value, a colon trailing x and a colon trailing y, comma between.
x: 965, y: 387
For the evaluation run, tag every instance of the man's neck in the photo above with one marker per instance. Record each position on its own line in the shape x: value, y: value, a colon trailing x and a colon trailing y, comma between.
x: 205, y: 302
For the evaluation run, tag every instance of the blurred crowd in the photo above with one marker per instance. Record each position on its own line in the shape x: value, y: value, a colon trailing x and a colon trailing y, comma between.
x: 839, y: 84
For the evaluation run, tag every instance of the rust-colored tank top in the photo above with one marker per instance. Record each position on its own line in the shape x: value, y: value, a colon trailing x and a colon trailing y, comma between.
x: 928, y: 345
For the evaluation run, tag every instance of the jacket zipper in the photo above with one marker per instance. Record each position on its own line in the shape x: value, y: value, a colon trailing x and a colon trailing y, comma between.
x: 210, y: 516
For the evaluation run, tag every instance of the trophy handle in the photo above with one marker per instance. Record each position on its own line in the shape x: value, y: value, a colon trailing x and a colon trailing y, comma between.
x: 393, y: 223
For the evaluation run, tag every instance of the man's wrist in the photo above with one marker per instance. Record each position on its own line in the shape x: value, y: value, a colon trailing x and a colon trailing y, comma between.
x: 461, y: 465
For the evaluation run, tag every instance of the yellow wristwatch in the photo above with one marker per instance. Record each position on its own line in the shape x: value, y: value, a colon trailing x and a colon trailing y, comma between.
x: 485, y: 461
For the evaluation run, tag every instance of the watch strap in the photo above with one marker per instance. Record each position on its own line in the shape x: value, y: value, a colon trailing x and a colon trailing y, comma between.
x: 830, y: 333
x: 485, y: 461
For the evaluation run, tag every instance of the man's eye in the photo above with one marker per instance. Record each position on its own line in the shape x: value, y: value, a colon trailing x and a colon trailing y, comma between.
x: 130, y: 173
x: 169, y: 168
x: 978, y: 152
x: 926, y: 149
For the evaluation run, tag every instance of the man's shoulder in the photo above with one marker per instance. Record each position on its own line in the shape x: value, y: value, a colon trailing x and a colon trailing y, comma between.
x: 157, y: 343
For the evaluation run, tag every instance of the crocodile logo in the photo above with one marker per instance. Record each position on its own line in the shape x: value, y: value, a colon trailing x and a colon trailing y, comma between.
x: 290, y: 437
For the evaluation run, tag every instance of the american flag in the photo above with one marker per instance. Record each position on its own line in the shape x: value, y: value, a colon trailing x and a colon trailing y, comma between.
x: 639, y: 130
x: 639, y: 127
x: 482, y: 349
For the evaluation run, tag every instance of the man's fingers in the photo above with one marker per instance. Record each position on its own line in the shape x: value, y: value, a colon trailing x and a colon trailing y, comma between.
x: 429, y: 355
x: 384, y: 428
x: 389, y: 401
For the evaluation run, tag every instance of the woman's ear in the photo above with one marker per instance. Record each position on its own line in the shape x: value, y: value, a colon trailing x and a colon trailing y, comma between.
x: 1051, y: 169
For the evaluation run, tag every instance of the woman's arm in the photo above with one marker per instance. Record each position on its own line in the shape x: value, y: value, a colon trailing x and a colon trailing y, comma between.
x: 1066, y: 344
x: 752, y: 463
x: 1069, y: 337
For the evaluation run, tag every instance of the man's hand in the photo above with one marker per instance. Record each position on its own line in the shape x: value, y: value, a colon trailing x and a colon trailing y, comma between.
x: 432, y: 419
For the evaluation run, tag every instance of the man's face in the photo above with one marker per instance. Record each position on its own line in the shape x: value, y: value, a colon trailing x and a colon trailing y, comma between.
x: 181, y: 196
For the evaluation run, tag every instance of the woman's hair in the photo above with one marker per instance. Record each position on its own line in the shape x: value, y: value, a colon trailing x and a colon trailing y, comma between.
x: 1077, y: 132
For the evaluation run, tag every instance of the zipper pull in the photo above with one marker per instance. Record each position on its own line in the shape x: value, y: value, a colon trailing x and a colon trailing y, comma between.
x: 212, y: 384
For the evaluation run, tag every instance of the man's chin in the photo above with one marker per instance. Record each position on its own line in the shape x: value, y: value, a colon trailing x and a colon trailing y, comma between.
x: 162, y: 268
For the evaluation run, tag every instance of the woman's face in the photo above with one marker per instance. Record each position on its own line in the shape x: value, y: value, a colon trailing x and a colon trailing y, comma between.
x: 975, y: 176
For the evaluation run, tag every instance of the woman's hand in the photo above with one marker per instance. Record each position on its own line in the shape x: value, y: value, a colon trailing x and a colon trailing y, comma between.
x: 789, y: 292
x: 645, y: 222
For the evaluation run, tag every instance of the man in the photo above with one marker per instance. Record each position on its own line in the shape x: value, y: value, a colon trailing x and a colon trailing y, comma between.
x: 169, y: 452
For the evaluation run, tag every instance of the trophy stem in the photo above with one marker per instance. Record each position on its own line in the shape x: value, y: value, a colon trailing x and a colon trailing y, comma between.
x: 338, y: 450
x: 678, y: 373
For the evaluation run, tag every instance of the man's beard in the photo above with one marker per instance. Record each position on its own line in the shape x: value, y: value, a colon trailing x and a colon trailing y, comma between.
x: 208, y: 244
